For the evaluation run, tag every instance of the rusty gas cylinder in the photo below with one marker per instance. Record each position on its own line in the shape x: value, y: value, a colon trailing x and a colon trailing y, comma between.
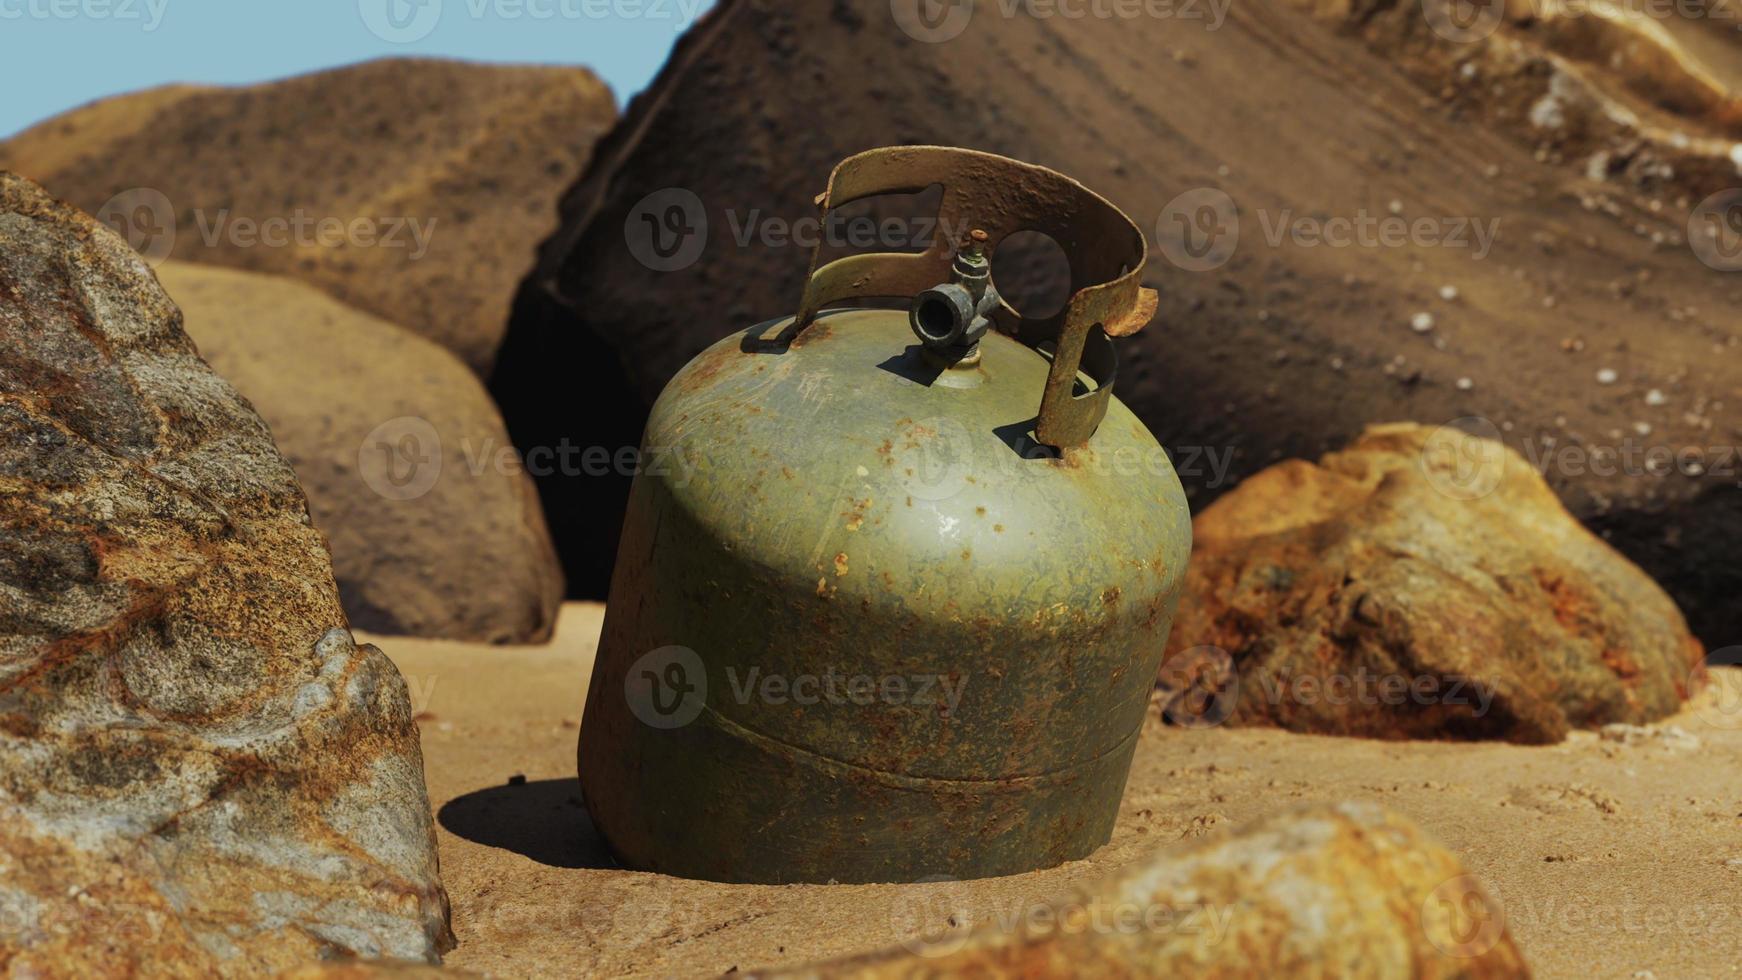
x: 893, y: 606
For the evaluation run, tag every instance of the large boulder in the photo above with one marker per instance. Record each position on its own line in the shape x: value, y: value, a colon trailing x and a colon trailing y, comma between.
x: 1323, y: 891
x: 1422, y: 583
x: 1309, y: 200
x: 435, y: 527
x: 201, y: 772
x: 415, y: 189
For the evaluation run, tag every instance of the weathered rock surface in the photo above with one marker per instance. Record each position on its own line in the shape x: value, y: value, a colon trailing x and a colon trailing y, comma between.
x: 1285, y: 350
x: 435, y: 527
x: 372, y: 970
x: 1639, y: 98
x: 1325, y: 891
x: 1421, y: 583
x: 436, y: 180
x: 201, y: 773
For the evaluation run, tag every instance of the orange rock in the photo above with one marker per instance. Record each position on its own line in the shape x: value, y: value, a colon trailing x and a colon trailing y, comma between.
x: 1421, y: 583
x: 1326, y: 891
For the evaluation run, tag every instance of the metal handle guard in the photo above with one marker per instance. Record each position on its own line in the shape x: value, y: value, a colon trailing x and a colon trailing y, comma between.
x: 1106, y: 250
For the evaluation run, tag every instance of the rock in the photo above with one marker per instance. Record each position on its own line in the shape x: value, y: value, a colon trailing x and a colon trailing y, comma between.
x: 372, y: 970
x: 1421, y: 583
x: 1631, y: 95
x: 1346, y: 891
x: 1671, y: 738
x: 201, y: 773
x: 437, y: 180
x: 1258, y: 303
x: 435, y: 528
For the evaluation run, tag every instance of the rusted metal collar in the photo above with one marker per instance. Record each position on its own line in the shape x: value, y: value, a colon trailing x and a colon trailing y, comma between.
x: 1106, y: 249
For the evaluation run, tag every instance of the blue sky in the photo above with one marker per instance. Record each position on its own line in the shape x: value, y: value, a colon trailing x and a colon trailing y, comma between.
x: 57, y: 54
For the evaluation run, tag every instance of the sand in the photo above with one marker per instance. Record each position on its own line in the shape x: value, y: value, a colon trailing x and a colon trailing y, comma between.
x: 1611, y: 857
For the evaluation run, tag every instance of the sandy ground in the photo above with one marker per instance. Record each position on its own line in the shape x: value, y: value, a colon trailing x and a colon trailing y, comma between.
x: 1612, y: 858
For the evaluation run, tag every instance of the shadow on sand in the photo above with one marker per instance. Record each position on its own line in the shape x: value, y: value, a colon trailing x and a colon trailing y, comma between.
x: 544, y: 820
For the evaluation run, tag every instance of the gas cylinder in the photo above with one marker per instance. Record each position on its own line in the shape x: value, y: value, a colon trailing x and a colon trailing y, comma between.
x: 892, y: 607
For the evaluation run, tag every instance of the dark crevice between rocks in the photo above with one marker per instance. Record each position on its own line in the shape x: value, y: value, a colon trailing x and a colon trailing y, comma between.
x: 561, y: 389
x: 1691, y: 549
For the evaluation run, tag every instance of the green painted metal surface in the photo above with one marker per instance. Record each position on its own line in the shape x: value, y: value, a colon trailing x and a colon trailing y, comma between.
x: 864, y: 629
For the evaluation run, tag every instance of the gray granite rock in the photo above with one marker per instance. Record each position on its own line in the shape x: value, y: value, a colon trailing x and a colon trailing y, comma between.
x: 201, y: 772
